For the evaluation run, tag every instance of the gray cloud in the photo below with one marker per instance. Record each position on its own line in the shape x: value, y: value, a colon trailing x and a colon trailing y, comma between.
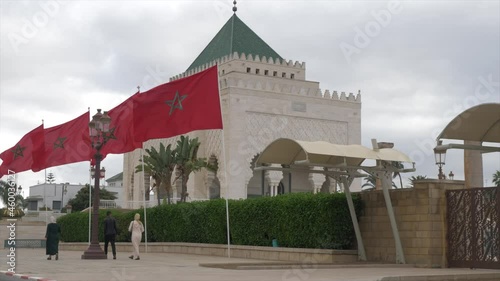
x: 415, y: 74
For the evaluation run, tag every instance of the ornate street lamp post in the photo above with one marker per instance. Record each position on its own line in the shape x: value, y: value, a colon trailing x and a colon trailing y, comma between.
x: 99, y: 129
x: 440, y: 157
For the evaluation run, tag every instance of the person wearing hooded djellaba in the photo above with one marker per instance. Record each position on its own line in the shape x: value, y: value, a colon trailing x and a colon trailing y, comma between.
x: 52, y: 237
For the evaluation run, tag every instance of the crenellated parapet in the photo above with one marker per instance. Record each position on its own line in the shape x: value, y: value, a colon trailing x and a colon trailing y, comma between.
x: 246, y: 58
x: 299, y: 89
x: 270, y: 75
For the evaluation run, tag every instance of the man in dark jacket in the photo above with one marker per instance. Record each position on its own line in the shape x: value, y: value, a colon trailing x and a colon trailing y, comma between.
x: 109, y: 233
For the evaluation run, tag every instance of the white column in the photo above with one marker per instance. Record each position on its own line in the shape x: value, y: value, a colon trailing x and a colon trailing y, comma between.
x: 273, y: 178
x: 473, y: 166
x: 316, y: 181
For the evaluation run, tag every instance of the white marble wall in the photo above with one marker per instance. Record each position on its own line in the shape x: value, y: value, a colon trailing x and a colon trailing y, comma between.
x: 257, y: 109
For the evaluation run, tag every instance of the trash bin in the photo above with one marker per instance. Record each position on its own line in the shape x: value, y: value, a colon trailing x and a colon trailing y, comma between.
x: 275, y: 243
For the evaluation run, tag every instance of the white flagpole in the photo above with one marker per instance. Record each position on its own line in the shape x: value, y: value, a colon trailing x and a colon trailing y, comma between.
x: 227, y: 194
x: 45, y: 197
x: 144, y: 196
x: 90, y: 200
x: 225, y: 172
x: 90, y: 191
x: 145, y: 208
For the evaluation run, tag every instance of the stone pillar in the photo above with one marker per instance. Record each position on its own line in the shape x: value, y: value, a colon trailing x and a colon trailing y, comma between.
x: 330, y: 184
x: 286, y: 179
x: 473, y: 166
x: 212, y: 190
x: 316, y: 181
x: 273, y: 178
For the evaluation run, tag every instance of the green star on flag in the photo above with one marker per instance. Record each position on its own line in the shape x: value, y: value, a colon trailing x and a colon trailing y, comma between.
x: 59, y: 143
x: 172, y: 103
x: 20, y: 157
x: 18, y: 151
x: 194, y: 105
x: 111, y: 134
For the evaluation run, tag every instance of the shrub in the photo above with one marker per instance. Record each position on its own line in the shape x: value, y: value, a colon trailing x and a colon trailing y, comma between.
x: 302, y: 220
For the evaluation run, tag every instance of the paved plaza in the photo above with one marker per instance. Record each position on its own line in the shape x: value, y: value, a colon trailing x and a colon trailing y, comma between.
x: 167, y: 266
x: 162, y: 266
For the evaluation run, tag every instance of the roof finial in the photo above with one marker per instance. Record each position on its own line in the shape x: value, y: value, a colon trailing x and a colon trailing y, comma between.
x: 234, y: 7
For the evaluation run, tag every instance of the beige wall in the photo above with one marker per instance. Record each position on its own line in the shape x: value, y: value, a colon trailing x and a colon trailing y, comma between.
x: 421, y: 217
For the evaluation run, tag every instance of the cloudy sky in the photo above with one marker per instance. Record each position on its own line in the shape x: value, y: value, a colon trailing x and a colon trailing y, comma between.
x: 417, y: 64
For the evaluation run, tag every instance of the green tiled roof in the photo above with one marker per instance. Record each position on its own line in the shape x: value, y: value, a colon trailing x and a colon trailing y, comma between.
x: 234, y: 36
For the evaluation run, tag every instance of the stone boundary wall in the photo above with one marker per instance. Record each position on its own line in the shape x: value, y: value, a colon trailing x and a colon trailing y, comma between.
x: 237, y: 251
x: 421, y: 218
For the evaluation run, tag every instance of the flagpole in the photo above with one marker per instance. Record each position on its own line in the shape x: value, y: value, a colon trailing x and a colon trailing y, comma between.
x: 144, y: 197
x: 227, y: 194
x: 90, y: 201
x: 44, y: 196
x: 225, y: 172
x: 90, y: 195
x: 145, y: 212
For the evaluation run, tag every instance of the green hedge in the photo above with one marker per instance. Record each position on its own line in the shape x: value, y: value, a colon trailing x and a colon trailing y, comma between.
x: 75, y: 226
x: 302, y: 220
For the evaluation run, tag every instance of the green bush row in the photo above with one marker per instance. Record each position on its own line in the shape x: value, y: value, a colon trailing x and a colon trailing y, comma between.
x: 302, y: 220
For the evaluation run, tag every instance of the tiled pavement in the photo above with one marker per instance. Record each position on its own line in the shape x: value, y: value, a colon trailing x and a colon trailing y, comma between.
x: 165, y: 266
x: 161, y: 266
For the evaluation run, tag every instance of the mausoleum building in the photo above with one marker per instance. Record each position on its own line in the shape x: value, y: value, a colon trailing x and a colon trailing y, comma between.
x: 263, y: 97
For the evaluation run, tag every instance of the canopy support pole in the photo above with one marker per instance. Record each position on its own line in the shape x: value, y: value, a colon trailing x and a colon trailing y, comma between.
x: 346, y: 182
x: 385, y: 177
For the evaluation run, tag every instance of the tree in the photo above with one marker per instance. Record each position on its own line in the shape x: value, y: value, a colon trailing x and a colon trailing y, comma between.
x: 371, y: 182
x: 397, y: 165
x: 160, y: 164
x: 413, y: 179
x: 187, y: 161
x: 81, y: 199
x: 18, y: 199
x: 51, y: 178
x: 496, y: 178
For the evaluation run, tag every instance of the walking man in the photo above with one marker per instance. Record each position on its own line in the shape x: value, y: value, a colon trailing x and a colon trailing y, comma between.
x: 109, y: 234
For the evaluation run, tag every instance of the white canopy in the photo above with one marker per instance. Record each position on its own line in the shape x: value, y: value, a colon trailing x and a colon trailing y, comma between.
x: 288, y: 152
x: 478, y: 123
x: 348, y: 158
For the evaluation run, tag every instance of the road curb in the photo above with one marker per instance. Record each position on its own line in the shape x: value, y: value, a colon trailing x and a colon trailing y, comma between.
x: 452, y: 277
x: 7, y: 276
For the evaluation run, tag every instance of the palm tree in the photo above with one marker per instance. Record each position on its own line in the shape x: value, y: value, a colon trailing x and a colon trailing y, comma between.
x: 371, y: 182
x: 160, y: 164
x: 188, y: 162
x: 496, y: 178
x: 397, y: 165
x: 413, y: 179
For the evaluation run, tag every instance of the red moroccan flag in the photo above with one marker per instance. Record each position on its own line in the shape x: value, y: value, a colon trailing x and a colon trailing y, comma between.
x: 20, y: 157
x: 121, y: 135
x: 179, y: 107
x: 66, y: 143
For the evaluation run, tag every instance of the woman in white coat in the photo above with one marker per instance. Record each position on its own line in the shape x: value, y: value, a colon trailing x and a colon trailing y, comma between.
x: 137, y: 229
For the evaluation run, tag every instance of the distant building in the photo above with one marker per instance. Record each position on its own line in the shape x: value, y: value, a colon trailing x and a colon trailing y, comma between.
x: 54, y: 196
x: 115, y: 187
